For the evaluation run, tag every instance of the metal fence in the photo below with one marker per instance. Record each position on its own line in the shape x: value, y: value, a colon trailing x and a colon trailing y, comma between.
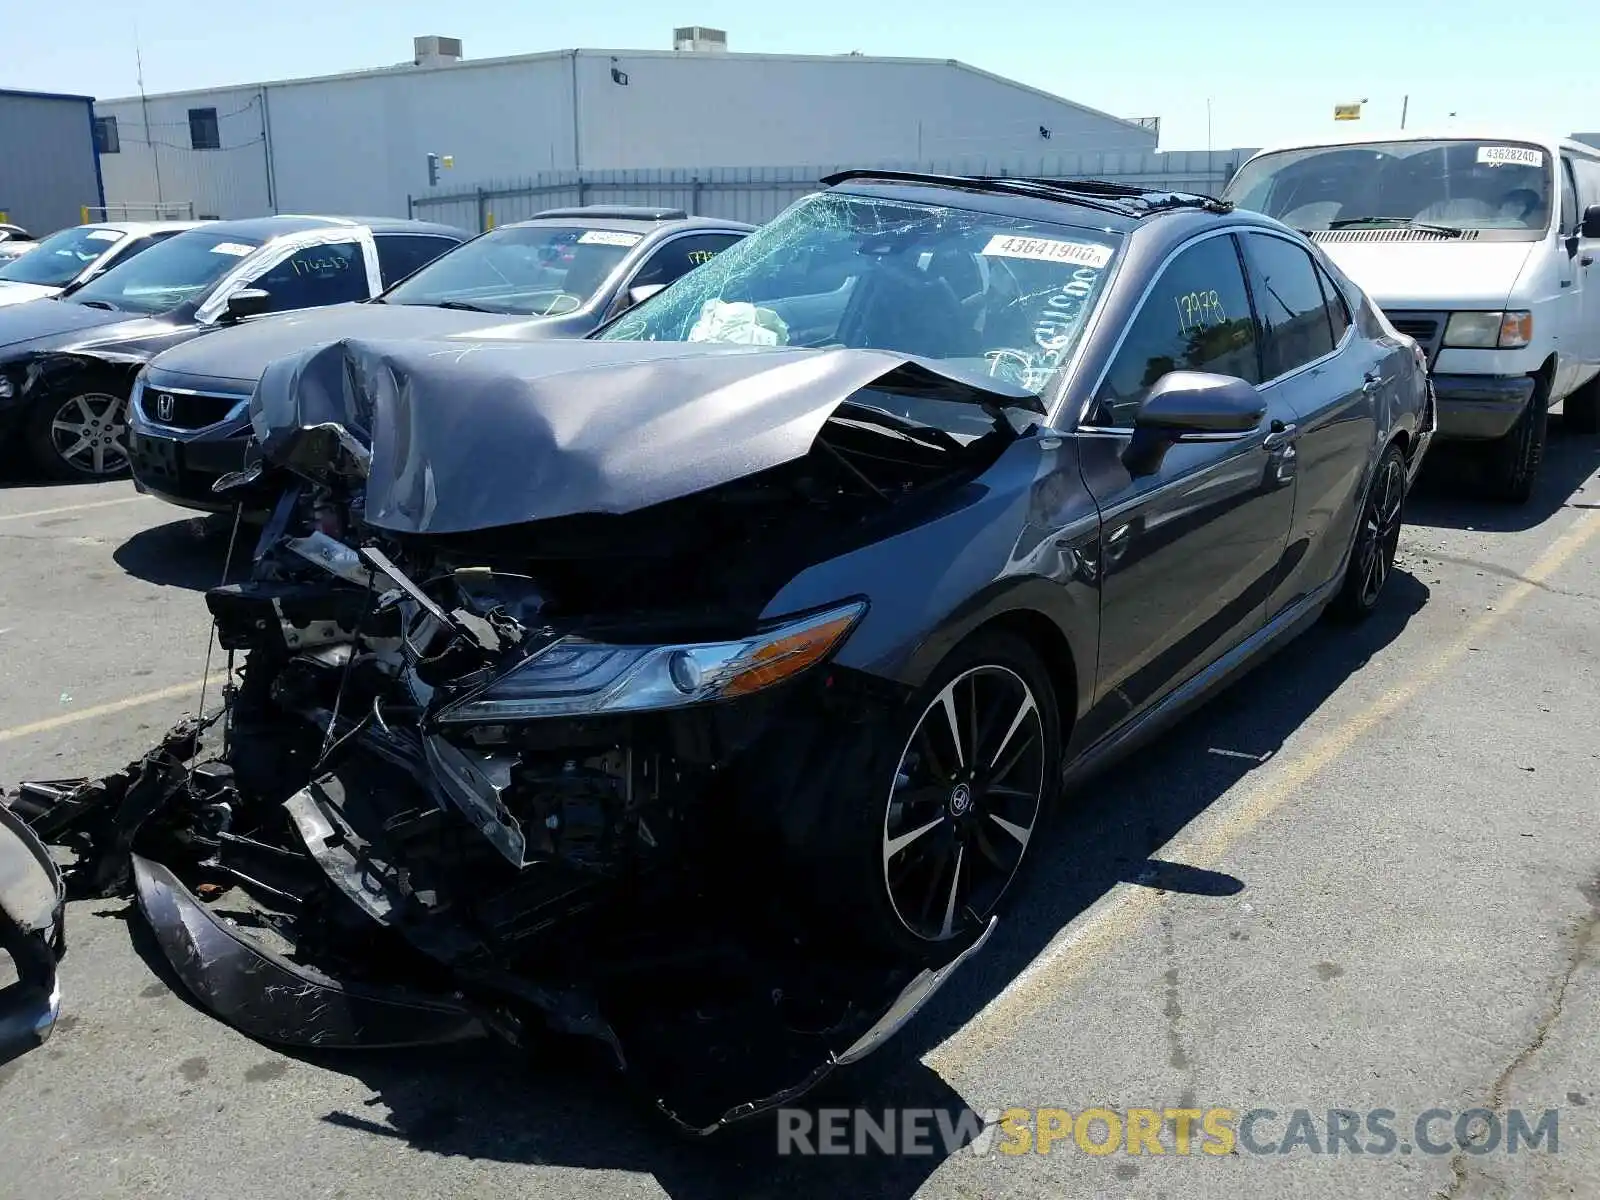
x: 163, y: 210
x: 758, y: 194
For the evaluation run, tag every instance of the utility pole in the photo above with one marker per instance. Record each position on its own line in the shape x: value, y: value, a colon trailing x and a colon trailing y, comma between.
x: 144, y: 107
x: 1208, y: 133
x: 1405, y: 103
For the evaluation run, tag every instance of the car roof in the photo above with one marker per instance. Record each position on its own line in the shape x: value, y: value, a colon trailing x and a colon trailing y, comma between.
x: 1113, y: 207
x: 630, y: 219
x: 143, y: 227
x: 1477, y: 133
x: 266, y: 228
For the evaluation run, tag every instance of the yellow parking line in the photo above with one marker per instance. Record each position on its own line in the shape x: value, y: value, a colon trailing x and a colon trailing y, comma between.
x: 1121, y: 909
x: 66, y: 508
x: 217, y: 678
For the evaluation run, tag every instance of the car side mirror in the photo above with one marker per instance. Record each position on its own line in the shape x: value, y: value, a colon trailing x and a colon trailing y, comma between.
x: 1591, y: 221
x: 638, y: 295
x: 1191, y: 406
x: 247, y: 302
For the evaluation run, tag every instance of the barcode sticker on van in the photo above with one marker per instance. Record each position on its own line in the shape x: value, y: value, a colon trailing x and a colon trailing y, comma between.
x: 1087, y: 254
x: 104, y: 235
x: 1515, y: 156
x: 608, y: 237
x: 233, y: 249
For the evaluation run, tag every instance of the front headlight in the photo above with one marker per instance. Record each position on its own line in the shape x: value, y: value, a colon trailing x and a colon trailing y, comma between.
x: 8, y: 389
x: 136, y: 396
x: 1508, y: 330
x: 577, y: 677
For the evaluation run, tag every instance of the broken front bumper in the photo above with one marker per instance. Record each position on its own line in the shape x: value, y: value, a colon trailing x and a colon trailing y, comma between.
x: 32, y: 911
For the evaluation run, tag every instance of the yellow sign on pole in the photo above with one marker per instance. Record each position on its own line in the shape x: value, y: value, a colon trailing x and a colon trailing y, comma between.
x: 1347, y: 112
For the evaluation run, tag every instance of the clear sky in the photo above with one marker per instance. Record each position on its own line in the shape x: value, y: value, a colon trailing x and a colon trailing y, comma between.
x: 1269, y: 72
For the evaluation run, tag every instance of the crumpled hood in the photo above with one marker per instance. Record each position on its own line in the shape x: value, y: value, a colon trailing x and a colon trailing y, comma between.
x: 474, y: 436
x: 1433, y: 274
x: 239, y: 355
x: 38, y: 320
x: 12, y: 292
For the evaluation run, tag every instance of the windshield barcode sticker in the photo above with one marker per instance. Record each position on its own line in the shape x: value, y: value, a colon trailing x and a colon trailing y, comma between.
x: 1087, y: 254
x: 1520, y: 156
x: 608, y: 237
x: 104, y: 235
x: 236, y: 249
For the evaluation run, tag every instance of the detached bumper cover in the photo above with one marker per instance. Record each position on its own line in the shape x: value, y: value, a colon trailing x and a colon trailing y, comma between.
x: 274, y: 1000
x: 1480, y: 407
x: 32, y: 911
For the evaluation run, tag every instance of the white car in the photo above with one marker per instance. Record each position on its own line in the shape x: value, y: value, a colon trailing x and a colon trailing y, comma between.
x: 15, y: 241
x: 1479, y: 245
x: 76, y: 255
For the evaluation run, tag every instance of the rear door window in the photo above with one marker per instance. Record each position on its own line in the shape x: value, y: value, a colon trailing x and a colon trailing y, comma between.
x: 1290, y: 302
x: 1196, y: 318
x: 399, y: 254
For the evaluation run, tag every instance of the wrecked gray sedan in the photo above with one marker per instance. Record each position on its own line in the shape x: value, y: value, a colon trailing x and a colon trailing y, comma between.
x: 696, y: 691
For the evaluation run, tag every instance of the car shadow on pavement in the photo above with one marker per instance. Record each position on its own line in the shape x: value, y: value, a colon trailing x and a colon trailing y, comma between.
x: 189, y: 553
x: 476, y: 1101
x: 1449, y: 492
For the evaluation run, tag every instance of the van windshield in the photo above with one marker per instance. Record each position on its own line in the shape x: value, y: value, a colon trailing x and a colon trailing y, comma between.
x: 1459, y: 183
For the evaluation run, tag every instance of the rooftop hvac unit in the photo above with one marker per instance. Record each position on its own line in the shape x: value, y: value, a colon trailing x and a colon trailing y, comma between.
x: 700, y: 39
x: 435, y: 51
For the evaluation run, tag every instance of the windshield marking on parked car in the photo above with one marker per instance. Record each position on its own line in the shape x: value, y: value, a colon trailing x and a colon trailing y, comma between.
x: 608, y: 237
x: 1047, y: 250
x: 236, y: 249
x: 104, y: 235
x: 1520, y: 156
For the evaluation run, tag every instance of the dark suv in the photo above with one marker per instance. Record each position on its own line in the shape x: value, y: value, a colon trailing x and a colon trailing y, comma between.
x: 559, y: 275
x: 68, y: 364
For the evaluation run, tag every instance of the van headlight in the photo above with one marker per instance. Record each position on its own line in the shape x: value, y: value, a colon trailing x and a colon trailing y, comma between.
x: 577, y: 677
x: 1507, y: 330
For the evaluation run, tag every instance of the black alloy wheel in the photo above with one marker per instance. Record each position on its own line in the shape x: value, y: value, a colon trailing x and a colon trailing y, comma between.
x: 1377, y: 538
x: 964, y: 802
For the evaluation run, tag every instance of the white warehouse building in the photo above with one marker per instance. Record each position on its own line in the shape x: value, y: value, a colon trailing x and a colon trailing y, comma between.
x: 360, y: 142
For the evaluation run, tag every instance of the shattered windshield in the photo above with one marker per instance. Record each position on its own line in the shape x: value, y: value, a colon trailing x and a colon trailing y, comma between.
x: 528, y: 270
x: 1465, y: 184
x: 995, y: 294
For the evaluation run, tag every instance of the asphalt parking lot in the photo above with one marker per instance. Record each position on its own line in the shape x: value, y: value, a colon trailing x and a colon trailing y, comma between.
x: 1367, y: 877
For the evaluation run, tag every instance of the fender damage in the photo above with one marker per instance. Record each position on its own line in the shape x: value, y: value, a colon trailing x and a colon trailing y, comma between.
x: 452, y: 793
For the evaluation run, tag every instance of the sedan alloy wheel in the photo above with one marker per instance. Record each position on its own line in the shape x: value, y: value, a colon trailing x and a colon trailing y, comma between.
x: 89, y: 434
x: 965, y: 800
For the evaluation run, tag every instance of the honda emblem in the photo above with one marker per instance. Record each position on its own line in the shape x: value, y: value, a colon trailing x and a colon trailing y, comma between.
x: 164, y: 406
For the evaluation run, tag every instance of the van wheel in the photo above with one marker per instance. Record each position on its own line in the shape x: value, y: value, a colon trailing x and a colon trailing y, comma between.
x: 1580, y: 412
x: 1514, y: 459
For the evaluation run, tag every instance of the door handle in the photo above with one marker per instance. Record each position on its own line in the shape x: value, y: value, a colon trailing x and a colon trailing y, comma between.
x: 1374, y: 381
x: 1586, y: 260
x: 1280, y: 436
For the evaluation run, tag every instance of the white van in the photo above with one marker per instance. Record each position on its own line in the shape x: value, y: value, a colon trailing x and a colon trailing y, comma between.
x: 1478, y: 245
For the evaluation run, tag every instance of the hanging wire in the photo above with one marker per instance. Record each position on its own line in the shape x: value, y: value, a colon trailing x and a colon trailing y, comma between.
x: 211, y: 636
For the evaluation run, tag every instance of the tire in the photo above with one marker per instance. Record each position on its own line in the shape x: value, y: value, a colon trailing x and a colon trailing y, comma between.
x: 1377, y: 539
x: 922, y: 876
x: 1514, y: 459
x: 1580, y: 412
x: 94, y: 420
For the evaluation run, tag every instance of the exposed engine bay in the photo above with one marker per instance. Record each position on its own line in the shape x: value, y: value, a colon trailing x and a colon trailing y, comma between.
x: 477, y: 776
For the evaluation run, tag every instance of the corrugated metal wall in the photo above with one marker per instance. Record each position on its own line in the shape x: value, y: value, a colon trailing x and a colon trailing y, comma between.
x: 757, y: 194
x: 47, y: 160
